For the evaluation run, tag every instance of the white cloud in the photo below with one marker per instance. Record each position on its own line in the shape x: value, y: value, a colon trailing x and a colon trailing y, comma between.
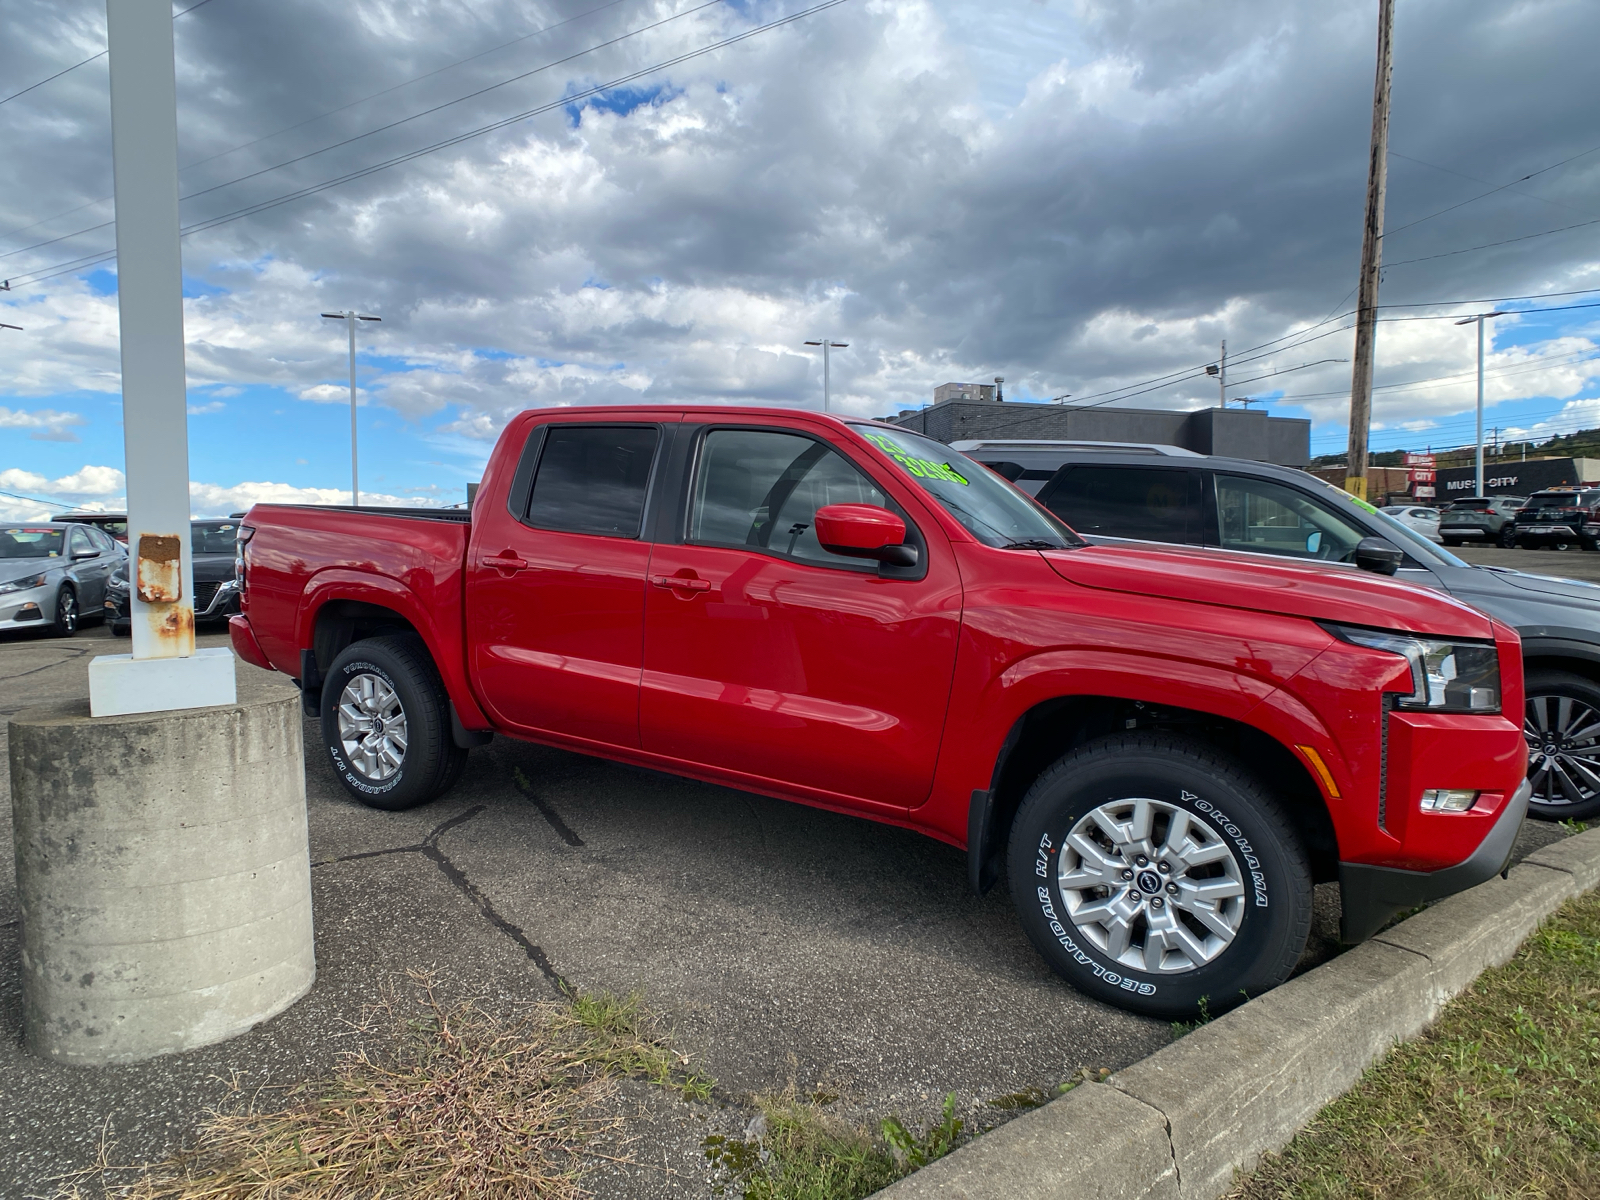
x: 45, y: 424
x: 215, y: 406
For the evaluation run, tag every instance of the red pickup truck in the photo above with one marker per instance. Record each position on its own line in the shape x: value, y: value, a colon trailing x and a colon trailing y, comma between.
x: 1161, y: 748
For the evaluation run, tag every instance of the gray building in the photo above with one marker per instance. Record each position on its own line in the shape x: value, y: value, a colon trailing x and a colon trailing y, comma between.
x: 963, y: 391
x: 1235, y: 432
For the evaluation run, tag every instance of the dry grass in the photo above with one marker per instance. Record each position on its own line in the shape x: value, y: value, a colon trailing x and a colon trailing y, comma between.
x: 469, y: 1104
x: 1500, y: 1099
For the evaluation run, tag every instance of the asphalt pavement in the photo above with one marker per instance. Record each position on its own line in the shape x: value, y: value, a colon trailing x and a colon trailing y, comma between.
x: 786, y: 945
x: 1566, y: 564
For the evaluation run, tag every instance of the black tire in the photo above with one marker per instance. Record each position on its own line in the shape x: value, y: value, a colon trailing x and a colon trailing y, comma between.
x: 1221, y: 805
x: 67, y: 616
x: 1508, y: 538
x: 429, y: 762
x: 1453, y: 542
x: 1566, y: 780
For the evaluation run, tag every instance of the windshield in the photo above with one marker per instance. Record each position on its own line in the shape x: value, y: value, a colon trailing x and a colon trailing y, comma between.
x: 34, y: 542
x: 987, y: 506
x: 213, y: 537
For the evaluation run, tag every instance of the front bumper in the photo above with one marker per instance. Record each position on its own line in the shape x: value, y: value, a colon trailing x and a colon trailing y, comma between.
x: 1371, y: 895
x: 28, y: 609
x: 221, y: 603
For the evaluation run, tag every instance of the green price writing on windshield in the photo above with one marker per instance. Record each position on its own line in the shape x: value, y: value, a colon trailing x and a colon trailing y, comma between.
x: 922, y: 468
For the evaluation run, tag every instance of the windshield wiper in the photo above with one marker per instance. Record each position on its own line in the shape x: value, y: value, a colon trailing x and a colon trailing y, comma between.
x: 1033, y: 544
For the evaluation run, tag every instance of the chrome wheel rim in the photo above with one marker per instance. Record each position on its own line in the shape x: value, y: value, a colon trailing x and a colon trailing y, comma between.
x: 1151, y: 886
x: 372, y: 727
x: 69, y: 612
x: 1563, y: 749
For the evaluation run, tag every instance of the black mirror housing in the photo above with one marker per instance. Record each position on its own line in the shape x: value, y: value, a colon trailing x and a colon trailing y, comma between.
x: 1378, y: 556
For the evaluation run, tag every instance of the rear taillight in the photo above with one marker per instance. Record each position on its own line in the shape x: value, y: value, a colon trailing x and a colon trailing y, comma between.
x: 240, y: 540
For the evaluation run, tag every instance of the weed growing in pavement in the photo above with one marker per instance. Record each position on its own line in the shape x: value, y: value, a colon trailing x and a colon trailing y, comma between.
x: 1179, y: 1028
x: 469, y: 1104
x: 793, y: 1150
x: 1501, y: 1098
x: 1573, y: 825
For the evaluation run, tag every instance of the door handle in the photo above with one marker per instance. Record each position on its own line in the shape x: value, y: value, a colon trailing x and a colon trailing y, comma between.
x: 681, y: 583
x: 507, y: 561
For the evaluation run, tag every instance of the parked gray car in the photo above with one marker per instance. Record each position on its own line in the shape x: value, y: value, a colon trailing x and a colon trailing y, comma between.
x: 1259, y: 508
x: 53, y: 574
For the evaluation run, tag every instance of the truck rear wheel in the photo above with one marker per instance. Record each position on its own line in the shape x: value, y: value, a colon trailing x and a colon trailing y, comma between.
x: 386, y: 724
x: 1154, y: 874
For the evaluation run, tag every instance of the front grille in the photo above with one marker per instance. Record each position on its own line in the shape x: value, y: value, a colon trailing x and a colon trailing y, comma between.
x: 204, y: 593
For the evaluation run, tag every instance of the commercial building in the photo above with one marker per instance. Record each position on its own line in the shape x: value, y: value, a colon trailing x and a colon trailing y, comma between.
x: 1236, y: 432
x: 1517, y: 478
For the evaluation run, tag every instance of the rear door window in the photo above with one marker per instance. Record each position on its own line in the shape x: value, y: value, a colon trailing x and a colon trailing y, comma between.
x: 1264, y: 517
x: 592, y: 479
x: 1157, y: 504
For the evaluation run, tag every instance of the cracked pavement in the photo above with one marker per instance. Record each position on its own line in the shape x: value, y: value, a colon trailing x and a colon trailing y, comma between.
x: 783, y: 943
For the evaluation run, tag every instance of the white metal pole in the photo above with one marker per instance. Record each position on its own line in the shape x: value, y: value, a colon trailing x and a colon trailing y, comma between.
x: 355, y: 485
x: 1479, y: 492
x: 144, y: 145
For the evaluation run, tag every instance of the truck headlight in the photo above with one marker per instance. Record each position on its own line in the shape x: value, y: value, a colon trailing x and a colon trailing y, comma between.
x: 22, y: 585
x: 1446, y: 676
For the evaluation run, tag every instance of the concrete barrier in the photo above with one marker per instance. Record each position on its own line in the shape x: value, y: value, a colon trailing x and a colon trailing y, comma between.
x: 162, y: 873
x: 1242, y: 1086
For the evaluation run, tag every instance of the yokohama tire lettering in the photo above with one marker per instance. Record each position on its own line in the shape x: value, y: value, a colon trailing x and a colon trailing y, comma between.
x: 1257, y: 878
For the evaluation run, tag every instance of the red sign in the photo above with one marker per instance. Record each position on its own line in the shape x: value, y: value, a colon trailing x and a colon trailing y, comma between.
x: 1419, y: 460
x: 1423, y: 475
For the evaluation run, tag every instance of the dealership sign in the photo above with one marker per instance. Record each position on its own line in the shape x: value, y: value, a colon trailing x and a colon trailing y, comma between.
x: 1509, y: 479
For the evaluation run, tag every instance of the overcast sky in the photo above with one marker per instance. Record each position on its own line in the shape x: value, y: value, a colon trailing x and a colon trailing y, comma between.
x: 1077, y: 195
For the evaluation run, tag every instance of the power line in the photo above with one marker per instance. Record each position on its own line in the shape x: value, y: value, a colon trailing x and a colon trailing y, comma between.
x: 90, y: 59
x: 392, y: 124
x: 46, y: 273
x: 332, y: 111
x: 1491, y: 245
x: 1492, y: 191
x: 1475, y: 179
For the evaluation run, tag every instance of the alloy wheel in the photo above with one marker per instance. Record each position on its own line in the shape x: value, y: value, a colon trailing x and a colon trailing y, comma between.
x: 372, y: 727
x: 1563, y: 736
x: 67, y: 612
x: 1151, y: 886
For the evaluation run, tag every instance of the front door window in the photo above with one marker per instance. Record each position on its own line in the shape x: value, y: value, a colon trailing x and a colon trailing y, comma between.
x: 1265, y: 517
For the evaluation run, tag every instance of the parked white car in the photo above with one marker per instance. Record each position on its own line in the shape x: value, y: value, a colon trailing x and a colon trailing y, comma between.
x: 1413, y: 516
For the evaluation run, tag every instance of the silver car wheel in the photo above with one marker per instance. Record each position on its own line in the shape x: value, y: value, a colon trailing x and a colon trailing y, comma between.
x: 1564, y: 749
x: 1151, y: 886
x: 372, y: 727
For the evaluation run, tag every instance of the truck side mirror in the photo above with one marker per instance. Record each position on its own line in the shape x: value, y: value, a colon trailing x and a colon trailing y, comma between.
x: 1379, y: 556
x: 864, y: 531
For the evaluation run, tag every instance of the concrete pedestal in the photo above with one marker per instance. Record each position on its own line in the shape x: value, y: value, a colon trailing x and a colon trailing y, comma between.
x: 121, y: 684
x: 163, y: 875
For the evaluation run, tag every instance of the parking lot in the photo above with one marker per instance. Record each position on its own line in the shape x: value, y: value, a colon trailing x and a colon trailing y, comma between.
x: 785, y: 944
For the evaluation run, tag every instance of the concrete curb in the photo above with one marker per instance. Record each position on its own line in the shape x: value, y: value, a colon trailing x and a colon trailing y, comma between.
x: 1181, y: 1122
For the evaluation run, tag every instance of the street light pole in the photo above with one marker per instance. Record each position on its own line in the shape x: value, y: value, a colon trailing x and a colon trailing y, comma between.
x: 827, y: 344
x: 1480, y: 319
x: 350, y: 318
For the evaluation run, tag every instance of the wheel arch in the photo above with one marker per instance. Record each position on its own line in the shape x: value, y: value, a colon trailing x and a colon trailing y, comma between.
x: 1054, y: 727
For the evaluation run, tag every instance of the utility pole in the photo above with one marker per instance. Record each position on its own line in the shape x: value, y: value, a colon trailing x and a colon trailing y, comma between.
x: 1480, y: 319
x: 1371, y: 259
x: 1220, y: 370
x: 827, y: 344
x: 350, y: 318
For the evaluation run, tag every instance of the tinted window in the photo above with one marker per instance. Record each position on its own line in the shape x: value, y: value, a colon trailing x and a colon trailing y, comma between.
x: 31, y: 542
x: 1159, y: 504
x: 1269, y: 518
x: 78, y: 543
x: 213, y: 537
x: 592, y: 479
x: 763, y: 489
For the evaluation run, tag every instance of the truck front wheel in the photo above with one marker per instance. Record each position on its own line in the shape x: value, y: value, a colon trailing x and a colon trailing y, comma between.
x: 386, y: 724
x: 1154, y: 874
